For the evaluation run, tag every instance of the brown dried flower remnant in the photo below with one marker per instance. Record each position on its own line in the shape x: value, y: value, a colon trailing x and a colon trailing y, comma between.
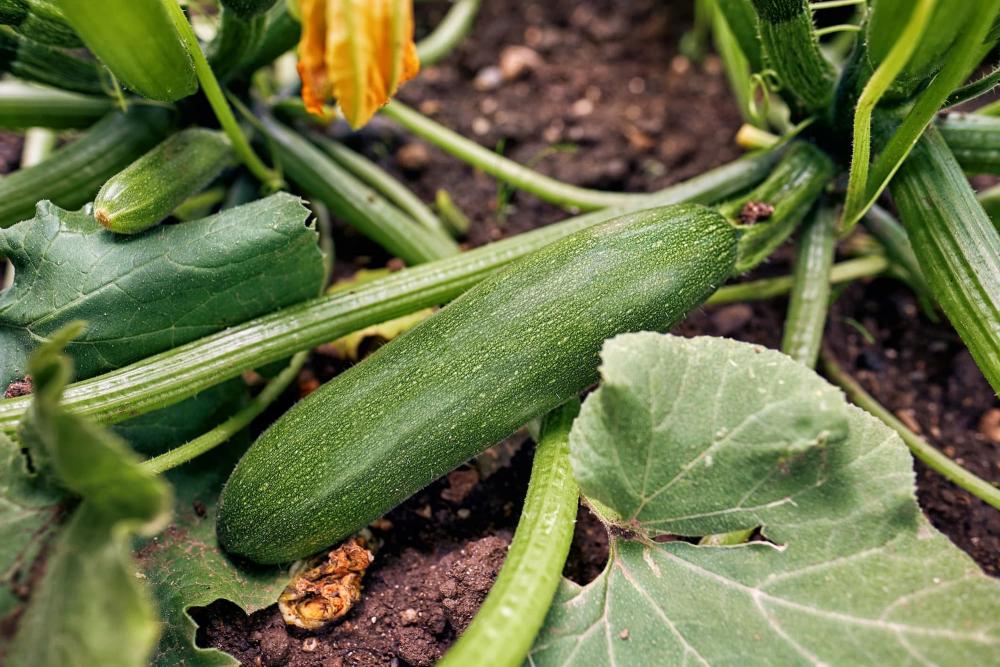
x: 754, y: 211
x: 19, y: 388
x: 327, y: 587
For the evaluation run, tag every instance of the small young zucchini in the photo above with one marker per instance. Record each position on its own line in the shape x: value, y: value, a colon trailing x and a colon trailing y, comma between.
x: 956, y: 244
x: 73, y: 174
x: 138, y: 41
x: 145, y: 192
x: 510, y: 349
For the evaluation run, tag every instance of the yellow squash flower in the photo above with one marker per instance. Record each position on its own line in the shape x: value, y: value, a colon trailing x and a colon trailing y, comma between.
x: 357, y: 51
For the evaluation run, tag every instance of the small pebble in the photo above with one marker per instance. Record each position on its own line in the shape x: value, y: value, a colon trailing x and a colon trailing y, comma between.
x: 488, y: 78
x: 623, y: 634
x: 517, y: 61
x: 481, y: 126
x: 989, y: 424
x: 413, y: 156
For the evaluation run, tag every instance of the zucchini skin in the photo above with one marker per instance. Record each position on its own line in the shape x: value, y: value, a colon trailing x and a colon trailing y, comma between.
x: 144, y: 193
x: 40, y: 20
x: 514, y: 347
x: 72, y: 175
x: 138, y: 41
x: 957, y: 246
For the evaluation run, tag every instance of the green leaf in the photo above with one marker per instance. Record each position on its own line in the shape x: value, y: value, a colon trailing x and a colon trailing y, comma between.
x: 90, y: 608
x: 186, y: 567
x: 706, y: 435
x: 28, y: 512
x: 151, y: 292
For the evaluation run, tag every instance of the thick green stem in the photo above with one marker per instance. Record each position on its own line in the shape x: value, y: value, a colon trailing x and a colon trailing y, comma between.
x: 810, y: 297
x: 957, y: 246
x: 347, y: 197
x: 217, y: 100
x: 452, y: 29
x: 171, y: 376
x: 791, y: 189
x: 383, y: 182
x: 227, y: 429
x: 972, y: 90
x: 521, y: 177
x: 791, y: 48
x: 922, y: 449
x: 974, y: 140
x: 504, y: 629
x: 989, y: 199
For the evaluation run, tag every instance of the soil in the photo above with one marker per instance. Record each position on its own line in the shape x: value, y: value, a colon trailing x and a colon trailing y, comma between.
x: 621, y: 109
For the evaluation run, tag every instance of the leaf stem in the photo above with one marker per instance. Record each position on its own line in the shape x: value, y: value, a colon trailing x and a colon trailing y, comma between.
x: 876, y: 87
x: 521, y: 177
x: 922, y: 449
x: 227, y: 429
x: 971, y: 91
x: 504, y: 629
x: 452, y: 29
x: 810, y: 298
x: 843, y: 27
x: 383, y: 182
x: 831, y: 4
x: 217, y: 99
x: 171, y: 376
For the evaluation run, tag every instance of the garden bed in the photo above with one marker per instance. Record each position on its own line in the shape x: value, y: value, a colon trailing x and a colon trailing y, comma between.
x: 636, y: 116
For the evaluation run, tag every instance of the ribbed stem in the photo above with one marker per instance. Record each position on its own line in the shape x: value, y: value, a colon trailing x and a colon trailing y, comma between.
x: 505, y: 626
x: 347, y: 197
x: 383, y: 182
x: 974, y: 140
x: 174, y: 375
x: 810, y: 297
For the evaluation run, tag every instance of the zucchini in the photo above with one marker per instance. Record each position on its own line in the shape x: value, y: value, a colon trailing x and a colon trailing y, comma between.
x: 40, y: 20
x: 145, y: 192
x: 32, y: 61
x: 510, y: 349
x: 72, y: 175
x: 138, y: 41
x: 23, y: 105
x: 957, y: 246
x: 974, y: 140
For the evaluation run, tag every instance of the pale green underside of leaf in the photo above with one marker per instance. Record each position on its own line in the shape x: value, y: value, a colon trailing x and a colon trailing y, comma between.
x: 89, y: 608
x: 700, y: 436
x: 186, y: 568
x: 147, y: 293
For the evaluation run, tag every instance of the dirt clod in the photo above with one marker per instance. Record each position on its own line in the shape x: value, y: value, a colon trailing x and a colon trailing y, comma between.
x: 21, y: 387
x: 755, y: 211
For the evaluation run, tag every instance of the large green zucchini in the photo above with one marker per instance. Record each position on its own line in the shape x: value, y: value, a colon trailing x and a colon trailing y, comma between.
x: 510, y: 349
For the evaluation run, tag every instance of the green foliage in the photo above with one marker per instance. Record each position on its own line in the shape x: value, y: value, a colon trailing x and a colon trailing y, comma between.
x: 147, y: 293
x: 89, y: 607
x: 186, y: 568
x: 701, y: 436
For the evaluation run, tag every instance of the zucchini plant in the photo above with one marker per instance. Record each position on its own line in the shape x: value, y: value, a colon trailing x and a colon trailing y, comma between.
x: 162, y: 257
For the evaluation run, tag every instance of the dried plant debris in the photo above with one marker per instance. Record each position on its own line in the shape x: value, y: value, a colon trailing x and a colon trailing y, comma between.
x: 326, y: 587
x: 755, y: 211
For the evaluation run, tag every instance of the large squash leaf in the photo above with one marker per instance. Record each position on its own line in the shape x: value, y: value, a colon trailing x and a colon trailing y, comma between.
x: 698, y: 436
x: 186, y: 567
x: 89, y: 608
x: 147, y: 293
